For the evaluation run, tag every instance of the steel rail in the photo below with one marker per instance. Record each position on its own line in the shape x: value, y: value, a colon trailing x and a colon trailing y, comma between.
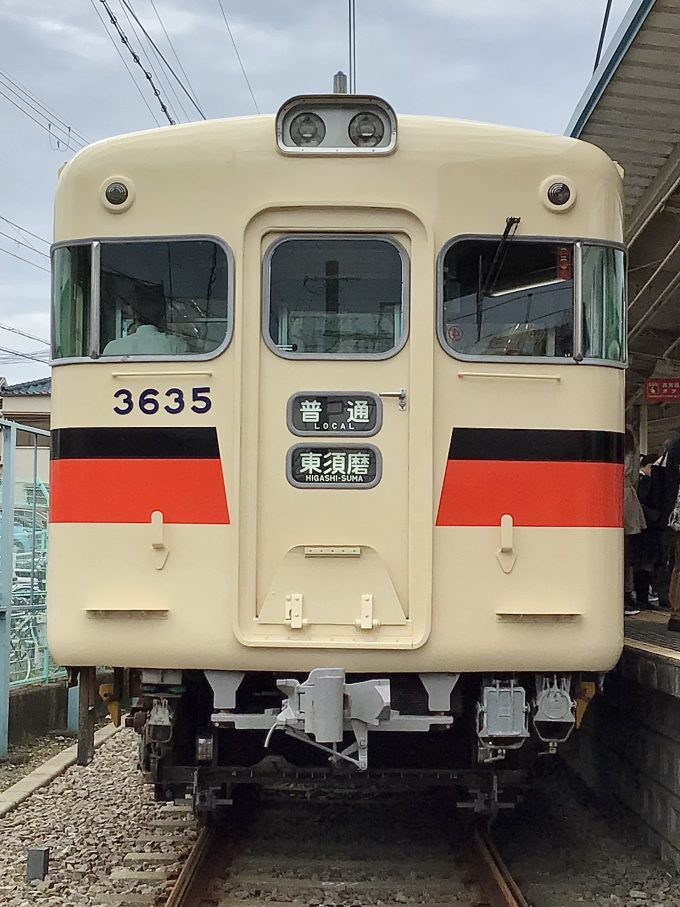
x: 499, y: 886
x: 183, y: 887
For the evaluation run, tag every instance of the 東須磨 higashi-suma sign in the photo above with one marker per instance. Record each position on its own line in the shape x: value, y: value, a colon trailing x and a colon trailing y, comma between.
x: 358, y: 414
x: 314, y: 466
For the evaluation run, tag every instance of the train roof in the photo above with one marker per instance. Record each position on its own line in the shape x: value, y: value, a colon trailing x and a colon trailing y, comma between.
x: 424, y: 134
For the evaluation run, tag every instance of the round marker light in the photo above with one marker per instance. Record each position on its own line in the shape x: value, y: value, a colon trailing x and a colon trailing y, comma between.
x: 307, y: 129
x: 116, y: 193
x: 559, y: 193
x: 366, y: 130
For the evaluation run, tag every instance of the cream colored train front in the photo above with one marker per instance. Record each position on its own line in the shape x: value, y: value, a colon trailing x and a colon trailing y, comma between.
x: 337, y: 448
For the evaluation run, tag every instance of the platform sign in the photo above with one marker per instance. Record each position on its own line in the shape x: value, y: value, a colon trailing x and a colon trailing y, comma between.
x: 315, y: 466
x: 662, y: 390
x: 354, y: 413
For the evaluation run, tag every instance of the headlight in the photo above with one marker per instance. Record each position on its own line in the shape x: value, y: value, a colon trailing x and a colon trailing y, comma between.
x: 559, y: 193
x: 366, y: 130
x: 307, y: 129
x: 116, y: 193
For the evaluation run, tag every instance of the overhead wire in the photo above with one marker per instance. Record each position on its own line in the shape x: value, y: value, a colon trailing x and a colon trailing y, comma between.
x: 238, y: 56
x: 20, y: 242
x: 25, y: 260
x: 162, y: 57
x: 135, y: 56
x: 149, y: 61
x: 19, y: 88
x: 161, y: 62
x: 125, y: 62
x: 8, y: 327
x: 179, y: 62
x: 59, y: 139
x: 10, y: 359
x: 4, y: 349
x: 24, y: 230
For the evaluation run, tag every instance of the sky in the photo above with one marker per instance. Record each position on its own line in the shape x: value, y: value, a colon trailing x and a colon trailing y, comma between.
x: 517, y: 62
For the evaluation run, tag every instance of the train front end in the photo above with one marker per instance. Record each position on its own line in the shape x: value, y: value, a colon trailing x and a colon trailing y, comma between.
x: 337, y: 446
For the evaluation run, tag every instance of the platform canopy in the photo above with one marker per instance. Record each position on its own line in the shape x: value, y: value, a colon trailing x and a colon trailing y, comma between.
x: 631, y: 109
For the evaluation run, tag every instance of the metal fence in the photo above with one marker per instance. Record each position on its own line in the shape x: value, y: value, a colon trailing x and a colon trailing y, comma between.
x: 24, y: 502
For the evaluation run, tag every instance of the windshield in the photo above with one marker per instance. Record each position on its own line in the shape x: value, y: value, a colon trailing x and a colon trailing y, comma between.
x: 528, y: 309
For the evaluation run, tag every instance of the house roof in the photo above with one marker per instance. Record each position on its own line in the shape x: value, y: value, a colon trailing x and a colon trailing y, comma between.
x: 38, y: 387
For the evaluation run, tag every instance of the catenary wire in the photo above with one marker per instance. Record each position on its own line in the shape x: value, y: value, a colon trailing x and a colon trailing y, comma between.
x: 161, y: 62
x: 25, y: 260
x: 4, y: 349
x: 162, y: 57
x: 238, y: 55
x: 24, y: 230
x: 48, y: 110
x: 135, y: 56
x: 125, y: 62
x: 42, y: 125
x: 20, y: 242
x: 8, y: 327
x: 54, y: 128
x: 150, y: 63
x: 13, y: 360
x: 194, y: 100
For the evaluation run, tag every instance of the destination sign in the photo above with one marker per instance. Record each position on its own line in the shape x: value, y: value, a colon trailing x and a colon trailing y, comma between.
x: 314, y: 466
x: 358, y: 414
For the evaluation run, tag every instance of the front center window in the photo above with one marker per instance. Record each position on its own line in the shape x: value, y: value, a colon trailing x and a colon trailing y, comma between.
x: 337, y: 296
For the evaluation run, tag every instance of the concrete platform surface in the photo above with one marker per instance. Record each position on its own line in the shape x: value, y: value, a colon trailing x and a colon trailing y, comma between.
x: 48, y: 771
x: 647, y: 632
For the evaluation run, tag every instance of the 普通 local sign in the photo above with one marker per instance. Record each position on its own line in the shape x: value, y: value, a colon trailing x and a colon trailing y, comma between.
x: 661, y: 390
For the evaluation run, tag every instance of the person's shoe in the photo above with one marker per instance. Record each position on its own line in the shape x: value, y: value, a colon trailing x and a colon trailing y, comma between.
x: 673, y: 625
x: 631, y: 612
x: 653, y: 598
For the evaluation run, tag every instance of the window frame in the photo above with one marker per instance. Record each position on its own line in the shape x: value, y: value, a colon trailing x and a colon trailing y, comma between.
x: 95, y: 244
x: 344, y: 235
x: 578, y: 315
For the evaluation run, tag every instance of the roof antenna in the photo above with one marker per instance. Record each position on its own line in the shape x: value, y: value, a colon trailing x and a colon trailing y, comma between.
x: 352, y: 47
x: 340, y: 83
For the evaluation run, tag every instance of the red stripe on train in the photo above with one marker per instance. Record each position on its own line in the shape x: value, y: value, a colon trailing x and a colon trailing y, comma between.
x: 129, y: 490
x: 534, y: 493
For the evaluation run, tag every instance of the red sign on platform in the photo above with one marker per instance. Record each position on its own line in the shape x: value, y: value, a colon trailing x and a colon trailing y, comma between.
x: 662, y: 390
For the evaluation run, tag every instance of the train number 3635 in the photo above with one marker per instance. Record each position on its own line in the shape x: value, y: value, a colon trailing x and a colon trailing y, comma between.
x: 151, y: 400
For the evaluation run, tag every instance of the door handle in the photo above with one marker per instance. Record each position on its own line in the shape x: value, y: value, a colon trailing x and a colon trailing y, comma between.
x: 400, y: 395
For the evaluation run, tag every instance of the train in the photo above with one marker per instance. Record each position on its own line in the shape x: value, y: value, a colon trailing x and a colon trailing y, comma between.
x: 337, y: 445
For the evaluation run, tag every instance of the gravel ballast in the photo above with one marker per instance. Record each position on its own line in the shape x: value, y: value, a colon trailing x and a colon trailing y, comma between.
x: 90, y: 817
x: 566, y: 849
x: 111, y: 845
x: 29, y: 755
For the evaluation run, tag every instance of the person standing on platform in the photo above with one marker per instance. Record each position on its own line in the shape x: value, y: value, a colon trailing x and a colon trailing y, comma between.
x: 672, y: 490
x: 633, y: 518
x: 646, y: 544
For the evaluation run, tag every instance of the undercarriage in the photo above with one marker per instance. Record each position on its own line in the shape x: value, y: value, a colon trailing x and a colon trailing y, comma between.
x: 202, y: 733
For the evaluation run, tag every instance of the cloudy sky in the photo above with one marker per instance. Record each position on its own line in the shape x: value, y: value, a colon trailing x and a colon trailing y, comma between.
x: 519, y: 62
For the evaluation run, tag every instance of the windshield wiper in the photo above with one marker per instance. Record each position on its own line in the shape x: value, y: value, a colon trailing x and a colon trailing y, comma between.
x: 486, y: 284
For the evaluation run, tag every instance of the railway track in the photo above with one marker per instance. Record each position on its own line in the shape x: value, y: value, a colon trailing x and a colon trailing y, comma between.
x: 304, y: 853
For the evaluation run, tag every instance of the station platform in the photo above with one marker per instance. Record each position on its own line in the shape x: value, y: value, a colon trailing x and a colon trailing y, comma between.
x: 628, y: 748
x: 646, y: 632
